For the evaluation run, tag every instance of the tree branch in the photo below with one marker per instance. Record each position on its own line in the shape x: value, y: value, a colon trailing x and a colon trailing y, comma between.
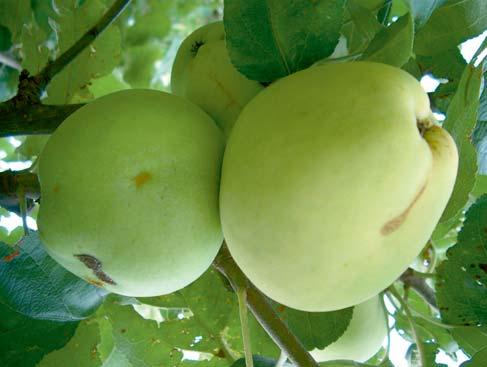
x: 411, y: 280
x: 35, y: 119
x: 24, y: 113
x: 263, y: 311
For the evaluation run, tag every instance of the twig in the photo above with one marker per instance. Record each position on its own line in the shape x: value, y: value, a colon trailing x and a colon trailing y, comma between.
x: 9, y: 61
x: 263, y: 311
x: 407, y: 311
x: 244, y: 323
x: 24, y: 113
x: 411, y: 280
x: 70, y: 54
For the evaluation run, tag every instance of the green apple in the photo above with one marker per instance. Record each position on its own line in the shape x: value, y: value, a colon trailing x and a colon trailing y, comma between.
x: 129, y: 192
x: 362, y: 339
x: 202, y: 72
x: 333, y: 180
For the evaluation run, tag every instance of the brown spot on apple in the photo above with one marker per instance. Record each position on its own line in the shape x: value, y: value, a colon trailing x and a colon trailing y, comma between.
x: 393, y: 224
x: 141, y: 179
x: 56, y: 188
x: 96, y: 265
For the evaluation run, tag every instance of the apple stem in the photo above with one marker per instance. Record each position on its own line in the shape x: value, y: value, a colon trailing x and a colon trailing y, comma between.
x: 244, y: 322
x: 263, y: 311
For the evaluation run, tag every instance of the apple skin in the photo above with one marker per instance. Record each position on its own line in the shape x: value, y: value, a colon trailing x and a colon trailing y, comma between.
x: 362, y: 339
x: 202, y: 73
x: 328, y: 189
x: 129, y: 192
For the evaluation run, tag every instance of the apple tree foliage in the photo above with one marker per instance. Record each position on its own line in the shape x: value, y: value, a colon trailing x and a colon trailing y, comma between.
x: 49, y: 317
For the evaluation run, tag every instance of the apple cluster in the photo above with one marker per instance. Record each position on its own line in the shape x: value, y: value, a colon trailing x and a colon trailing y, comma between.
x: 325, y: 185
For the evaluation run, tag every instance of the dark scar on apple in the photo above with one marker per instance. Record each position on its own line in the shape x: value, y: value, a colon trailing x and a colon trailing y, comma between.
x: 94, y: 264
x: 196, y: 46
x: 393, y: 224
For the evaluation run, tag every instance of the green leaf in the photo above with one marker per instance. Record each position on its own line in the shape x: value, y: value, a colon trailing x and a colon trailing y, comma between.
x: 13, y: 15
x: 479, y: 359
x: 8, y: 82
x: 316, y: 329
x: 24, y: 341
x: 429, y: 354
x: 215, y: 309
x: 259, y: 361
x: 146, y: 343
x: 462, y: 278
x: 448, y: 64
x: 96, y: 60
x: 393, y: 45
x: 422, y: 9
x: 451, y: 24
x: 460, y: 121
x: 362, y: 28
x: 33, y: 284
x: 35, y: 52
x: 471, y: 339
x: 5, y: 38
x: 80, y: 350
x: 267, y: 39
x: 428, y: 331
x: 140, y: 64
x: 148, y: 19
x: 43, y: 11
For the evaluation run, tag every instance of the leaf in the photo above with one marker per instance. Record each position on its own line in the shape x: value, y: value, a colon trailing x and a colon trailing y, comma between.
x: 24, y: 341
x: 8, y: 82
x: 316, y: 329
x: 96, y: 60
x: 259, y: 361
x: 81, y: 350
x: 414, y: 358
x: 429, y: 332
x: 207, y: 298
x: 35, y: 52
x: 460, y: 121
x: 140, y: 64
x: 448, y: 64
x: 215, y: 308
x: 33, y: 284
x: 479, y: 359
x: 148, y: 20
x: 471, y: 339
x: 392, y: 45
x: 267, y: 39
x: 451, y: 24
x: 362, y: 28
x: 13, y: 15
x: 5, y: 38
x: 422, y: 10
x: 141, y: 342
x: 462, y: 278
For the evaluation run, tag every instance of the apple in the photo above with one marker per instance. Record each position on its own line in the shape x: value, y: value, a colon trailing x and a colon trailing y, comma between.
x: 202, y: 73
x: 129, y: 192
x: 333, y: 180
x: 362, y: 339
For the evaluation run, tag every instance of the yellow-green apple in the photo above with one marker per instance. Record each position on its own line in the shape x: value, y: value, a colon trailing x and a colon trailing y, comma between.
x: 362, y: 339
x: 129, y: 192
x: 333, y: 180
x: 202, y: 72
